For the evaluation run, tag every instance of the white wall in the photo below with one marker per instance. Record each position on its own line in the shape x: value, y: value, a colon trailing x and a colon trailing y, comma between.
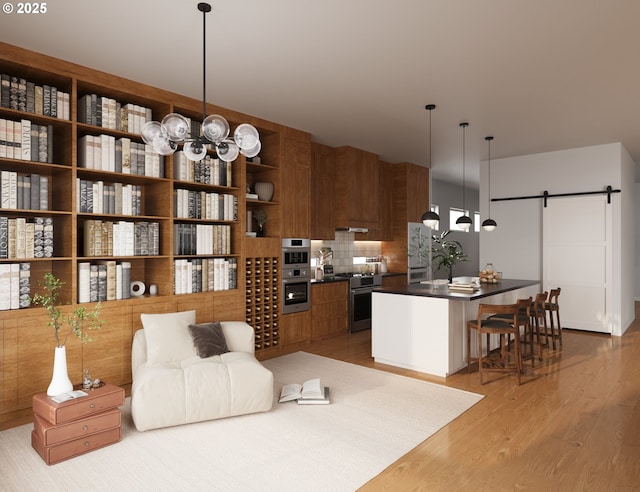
x: 516, y: 245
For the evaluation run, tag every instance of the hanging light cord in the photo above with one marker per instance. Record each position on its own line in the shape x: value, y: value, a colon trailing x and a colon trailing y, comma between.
x: 464, y: 168
x: 488, y: 139
x: 204, y: 8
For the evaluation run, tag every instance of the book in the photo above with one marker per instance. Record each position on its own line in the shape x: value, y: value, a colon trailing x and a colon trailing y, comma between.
x: 310, y: 390
x: 325, y: 400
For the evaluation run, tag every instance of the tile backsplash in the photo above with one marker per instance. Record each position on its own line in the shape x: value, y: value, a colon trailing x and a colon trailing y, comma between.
x: 345, y: 248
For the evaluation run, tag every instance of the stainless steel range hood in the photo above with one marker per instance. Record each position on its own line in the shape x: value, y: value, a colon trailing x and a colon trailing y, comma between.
x: 352, y: 229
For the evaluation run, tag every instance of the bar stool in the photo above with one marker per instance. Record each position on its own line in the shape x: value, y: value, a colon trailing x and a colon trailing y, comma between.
x: 539, y: 318
x: 524, y: 323
x: 552, y: 306
x: 504, y: 327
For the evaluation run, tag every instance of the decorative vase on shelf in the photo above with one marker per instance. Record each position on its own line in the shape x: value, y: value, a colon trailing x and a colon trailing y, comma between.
x: 264, y: 190
x: 260, y: 232
x: 60, y: 382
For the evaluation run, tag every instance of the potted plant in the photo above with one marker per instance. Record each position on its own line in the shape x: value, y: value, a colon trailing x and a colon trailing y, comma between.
x: 261, y: 219
x: 79, y: 321
x: 446, y: 252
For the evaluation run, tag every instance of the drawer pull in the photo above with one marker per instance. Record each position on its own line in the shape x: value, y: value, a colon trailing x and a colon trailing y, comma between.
x: 86, y: 444
x: 85, y: 427
x: 92, y: 405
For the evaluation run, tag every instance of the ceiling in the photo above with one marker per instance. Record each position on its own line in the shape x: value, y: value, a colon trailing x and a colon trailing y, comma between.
x: 538, y: 75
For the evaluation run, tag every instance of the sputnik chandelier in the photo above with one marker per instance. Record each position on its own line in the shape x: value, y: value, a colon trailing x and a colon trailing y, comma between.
x: 175, y: 129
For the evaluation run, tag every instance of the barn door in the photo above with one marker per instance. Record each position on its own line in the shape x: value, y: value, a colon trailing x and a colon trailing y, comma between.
x: 577, y: 256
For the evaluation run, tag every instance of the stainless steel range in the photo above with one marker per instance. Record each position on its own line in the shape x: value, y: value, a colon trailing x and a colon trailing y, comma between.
x: 361, y: 287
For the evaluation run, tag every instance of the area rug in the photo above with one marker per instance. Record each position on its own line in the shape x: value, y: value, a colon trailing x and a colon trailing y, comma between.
x: 373, y: 419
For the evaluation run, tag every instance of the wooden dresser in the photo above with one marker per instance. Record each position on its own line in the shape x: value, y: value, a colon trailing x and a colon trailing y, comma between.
x: 65, y: 430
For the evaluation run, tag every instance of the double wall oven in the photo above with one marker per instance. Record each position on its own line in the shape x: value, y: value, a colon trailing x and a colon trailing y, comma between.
x: 296, y: 275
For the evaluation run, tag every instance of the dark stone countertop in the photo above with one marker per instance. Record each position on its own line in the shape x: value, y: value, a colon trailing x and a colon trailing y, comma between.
x: 485, y: 290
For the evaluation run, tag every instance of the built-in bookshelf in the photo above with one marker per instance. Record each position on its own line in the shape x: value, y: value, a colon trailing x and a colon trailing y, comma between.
x: 115, y: 213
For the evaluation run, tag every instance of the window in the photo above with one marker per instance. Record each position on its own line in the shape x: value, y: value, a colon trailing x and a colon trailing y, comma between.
x: 455, y: 214
x: 476, y: 221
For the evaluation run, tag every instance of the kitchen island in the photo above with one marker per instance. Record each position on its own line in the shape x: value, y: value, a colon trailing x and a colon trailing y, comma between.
x: 423, y: 328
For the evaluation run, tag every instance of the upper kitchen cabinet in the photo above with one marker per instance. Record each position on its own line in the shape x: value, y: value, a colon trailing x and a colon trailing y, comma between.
x: 296, y: 184
x: 323, y: 207
x: 410, y: 200
x: 356, y: 188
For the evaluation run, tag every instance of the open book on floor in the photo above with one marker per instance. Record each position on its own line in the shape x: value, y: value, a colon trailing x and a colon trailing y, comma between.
x: 311, y: 392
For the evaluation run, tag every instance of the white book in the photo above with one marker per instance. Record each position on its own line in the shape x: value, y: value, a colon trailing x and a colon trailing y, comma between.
x: 25, y: 140
x: 15, y: 286
x: 84, y: 275
x: 5, y: 286
x: 13, y: 190
x: 118, y: 281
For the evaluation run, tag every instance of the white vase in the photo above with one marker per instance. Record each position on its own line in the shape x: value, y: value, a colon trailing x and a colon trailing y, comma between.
x: 60, y: 382
x: 264, y: 191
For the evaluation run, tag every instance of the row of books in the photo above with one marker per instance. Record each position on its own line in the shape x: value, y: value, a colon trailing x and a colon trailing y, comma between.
x: 22, y: 237
x: 26, y: 141
x: 205, y: 274
x: 98, y: 197
x: 202, y: 239
x: 106, y: 153
x: 190, y: 204
x: 108, y: 113
x: 209, y: 170
x: 106, y: 280
x: 15, y: 286
x: 122, y: 238
x: 23, y: 95
x: 24, y: 191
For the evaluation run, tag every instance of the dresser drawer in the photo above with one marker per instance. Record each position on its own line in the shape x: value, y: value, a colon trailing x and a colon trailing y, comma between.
x: 70, y: 449
x: 51, y: 434
x: 99, y: 400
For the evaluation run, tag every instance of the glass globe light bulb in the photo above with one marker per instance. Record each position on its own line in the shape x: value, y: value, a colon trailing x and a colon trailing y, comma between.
x: 215, y: 128
x: 194, y: 150
x: 227, y: 150
x: 150, y: 131
x: 253, y: 151
x: 163, y: 146
x: 246, y: 136
x: 176, y: 127
x: 430, y: 219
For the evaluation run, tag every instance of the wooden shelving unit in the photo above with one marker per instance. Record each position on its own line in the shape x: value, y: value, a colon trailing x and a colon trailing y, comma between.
x: 26, y: 353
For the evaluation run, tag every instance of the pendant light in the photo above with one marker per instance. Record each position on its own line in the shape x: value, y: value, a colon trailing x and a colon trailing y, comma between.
x: 165, y: 136
x: 465, y: 221
x: 489, y: 224
x: 430, y: 218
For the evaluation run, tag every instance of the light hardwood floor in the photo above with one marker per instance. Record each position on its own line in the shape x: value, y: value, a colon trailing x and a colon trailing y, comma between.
x: 574, y: 423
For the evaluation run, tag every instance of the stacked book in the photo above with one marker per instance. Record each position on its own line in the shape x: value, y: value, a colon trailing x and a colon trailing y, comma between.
x: 22, y: 237
x: 205, y: 274
x: 23, y: 95
x: 202, y: 239
x: 108, y: 113
x: 122, y: 238
x: 26, y: 141
x: 106, y: 153
x: 207, y: 171
x: 190, y: 204
x: 105, y: 280
x: 462, y: 287
x: 24, y: 191
x: 15, y: 286
x: 109, y: 198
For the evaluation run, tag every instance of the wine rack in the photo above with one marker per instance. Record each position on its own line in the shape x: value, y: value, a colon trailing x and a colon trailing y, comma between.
x: 262, y: 294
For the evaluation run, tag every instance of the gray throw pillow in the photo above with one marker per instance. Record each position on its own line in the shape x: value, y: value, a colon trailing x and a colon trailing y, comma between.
x: 208, y: 339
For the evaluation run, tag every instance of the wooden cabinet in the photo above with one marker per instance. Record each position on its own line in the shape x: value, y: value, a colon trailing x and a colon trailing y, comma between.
x: 323, y: 207
x: 329, y: 309
x: 410, y: 198
x: 356, y: 188
x: 394, y: 281
x: 65, y: 430
x: 296, y: 185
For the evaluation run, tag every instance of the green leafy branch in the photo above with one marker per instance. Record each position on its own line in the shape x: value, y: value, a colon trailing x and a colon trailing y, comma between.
x: 78, y: 322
